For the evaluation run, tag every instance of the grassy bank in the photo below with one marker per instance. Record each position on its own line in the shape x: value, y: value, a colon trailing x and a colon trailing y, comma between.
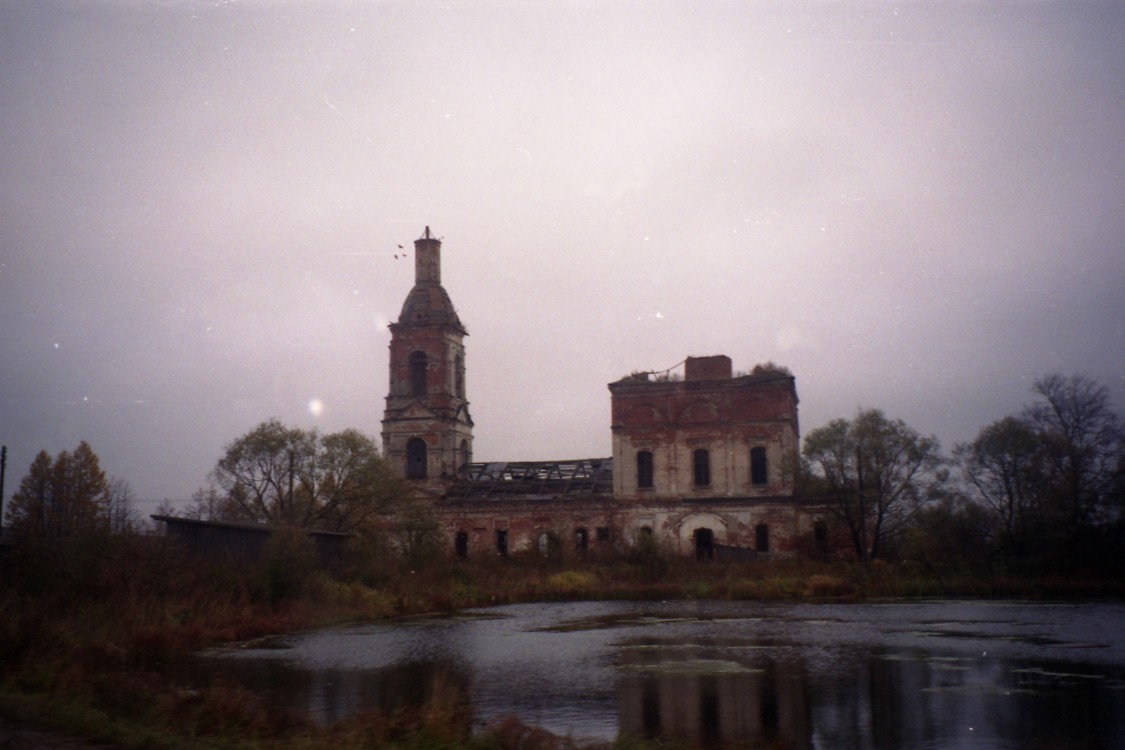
x: 95, y: 634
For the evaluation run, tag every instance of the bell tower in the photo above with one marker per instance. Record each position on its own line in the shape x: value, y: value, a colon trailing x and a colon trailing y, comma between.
x: 427, y: 430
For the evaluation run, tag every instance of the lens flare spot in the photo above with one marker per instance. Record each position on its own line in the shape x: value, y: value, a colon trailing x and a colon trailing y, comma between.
x: 316, y: 407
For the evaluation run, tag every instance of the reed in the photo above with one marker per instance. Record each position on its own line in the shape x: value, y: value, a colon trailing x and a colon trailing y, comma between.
x: 94, y: 633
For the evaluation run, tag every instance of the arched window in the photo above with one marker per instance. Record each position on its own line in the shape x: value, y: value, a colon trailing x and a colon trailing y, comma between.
x: 759, y: 469
x: 418, y: 367
x: 762, y: 538
x: 415, y: 458
x: 581, y: 539
x: 459, y: 377
x: 644, y: 469
x: 461, y: 544
x: 701, y: 467
x: 547, y: 543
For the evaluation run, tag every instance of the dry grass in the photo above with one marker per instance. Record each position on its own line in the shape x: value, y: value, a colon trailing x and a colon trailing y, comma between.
x: 92, y: 633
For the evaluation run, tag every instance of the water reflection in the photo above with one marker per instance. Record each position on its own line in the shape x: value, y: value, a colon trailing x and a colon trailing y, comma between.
x: 711, y: 701
x: 717, y: 675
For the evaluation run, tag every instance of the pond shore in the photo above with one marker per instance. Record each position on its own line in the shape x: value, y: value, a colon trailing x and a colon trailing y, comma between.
x: 100, y: 655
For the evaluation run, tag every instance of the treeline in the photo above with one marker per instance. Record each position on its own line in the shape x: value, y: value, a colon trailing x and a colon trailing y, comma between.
x: 1041, y: 491
x: 70, y: 494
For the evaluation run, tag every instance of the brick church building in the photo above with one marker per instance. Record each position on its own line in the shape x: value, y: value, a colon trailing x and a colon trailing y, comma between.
x: 701, y: 463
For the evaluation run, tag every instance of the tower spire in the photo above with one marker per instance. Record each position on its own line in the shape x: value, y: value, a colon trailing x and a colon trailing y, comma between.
x: 427, y: 259
x: 427, y: 430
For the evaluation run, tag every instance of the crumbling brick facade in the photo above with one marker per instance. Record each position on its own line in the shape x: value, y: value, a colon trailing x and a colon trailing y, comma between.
x: 702, y: 465
x: 427, y: 429
x: 709, y: 435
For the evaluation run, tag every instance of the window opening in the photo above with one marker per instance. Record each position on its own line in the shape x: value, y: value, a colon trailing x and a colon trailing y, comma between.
x: 701, y: 467
x: 644, y: 469
x: 820, y: 535
x: 704, y: 544
x: 418, y: 367
x: 759, y: 468
x: 545, y: 543
x: 466, y: 458
x: 415, y: 458
x: 762, y: 537
x: 502, y: 542
x: 462, y: 544
x: 581, y: 539
x: 603, y: 534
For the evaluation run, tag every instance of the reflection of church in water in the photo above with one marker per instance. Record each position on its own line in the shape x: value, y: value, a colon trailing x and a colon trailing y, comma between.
x: 708, y: 701
x: 700, y: 461
x: 718, y: 692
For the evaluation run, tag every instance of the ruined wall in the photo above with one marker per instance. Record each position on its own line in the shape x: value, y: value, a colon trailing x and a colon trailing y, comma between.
x: 440, y: 416
x: 709, y: 410
x: 773, y: 528
x: 512, y: 526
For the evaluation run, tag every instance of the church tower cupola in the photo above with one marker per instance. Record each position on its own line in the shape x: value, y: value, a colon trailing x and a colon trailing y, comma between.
x: 427, y: 430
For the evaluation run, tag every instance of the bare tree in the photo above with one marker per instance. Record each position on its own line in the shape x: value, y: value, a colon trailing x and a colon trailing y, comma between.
x: 120, y: 506
x: 207, y: 504
x: 1083, y: 440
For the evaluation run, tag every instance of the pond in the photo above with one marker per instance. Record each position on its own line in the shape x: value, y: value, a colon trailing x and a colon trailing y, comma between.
x: 941, y: 674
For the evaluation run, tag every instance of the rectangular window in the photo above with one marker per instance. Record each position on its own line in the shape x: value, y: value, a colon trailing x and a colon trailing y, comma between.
x: 759, y: 472
x: 762, y: 538
x: 644, y: 469
x: 603, y: 533
x: 701, y: 467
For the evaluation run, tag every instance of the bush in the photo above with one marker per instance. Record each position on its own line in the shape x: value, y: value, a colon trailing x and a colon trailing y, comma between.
x: 289, y: 563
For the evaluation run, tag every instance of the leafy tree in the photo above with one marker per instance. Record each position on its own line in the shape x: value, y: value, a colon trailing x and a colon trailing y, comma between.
x: 61, y: 497
x: 1005, y: 467
x: 27, y: 512
x: 279, y: 474
x: 951, y: 534
x: 416, y: 533
x: 876, y: 472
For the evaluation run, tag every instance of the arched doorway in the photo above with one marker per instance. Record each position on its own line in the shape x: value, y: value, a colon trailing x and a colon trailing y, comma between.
x: 415, y: 458
x: 704, y: 544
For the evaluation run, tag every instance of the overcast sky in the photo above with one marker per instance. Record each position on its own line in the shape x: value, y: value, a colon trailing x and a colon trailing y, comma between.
x: 915, y: 206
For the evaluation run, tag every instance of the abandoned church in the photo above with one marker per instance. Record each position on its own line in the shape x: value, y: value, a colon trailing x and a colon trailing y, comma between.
x: 700, y: 463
